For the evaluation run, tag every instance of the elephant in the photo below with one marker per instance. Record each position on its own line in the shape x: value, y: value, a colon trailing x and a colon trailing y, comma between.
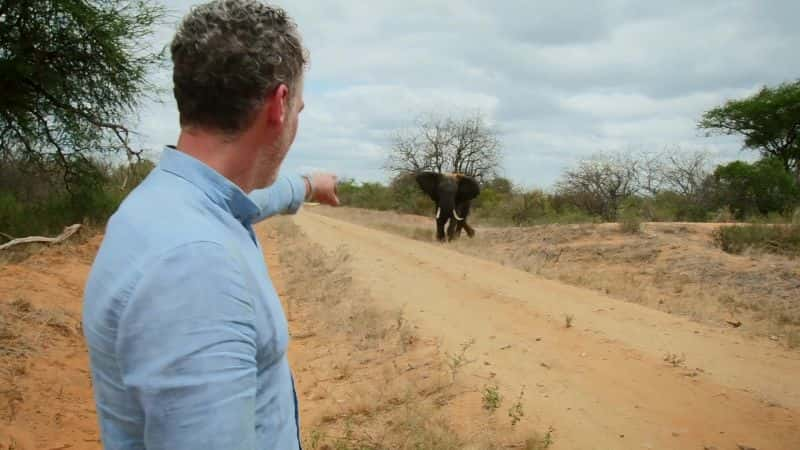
x: 452, y: 194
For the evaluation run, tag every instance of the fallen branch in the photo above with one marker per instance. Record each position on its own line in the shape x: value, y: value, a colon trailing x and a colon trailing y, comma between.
x: 68, y: 231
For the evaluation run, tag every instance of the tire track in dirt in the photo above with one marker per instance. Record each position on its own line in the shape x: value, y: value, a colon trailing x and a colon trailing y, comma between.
x: 603, y: 383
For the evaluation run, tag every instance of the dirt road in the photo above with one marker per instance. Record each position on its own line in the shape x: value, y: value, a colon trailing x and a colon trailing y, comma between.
x: 603, y: 383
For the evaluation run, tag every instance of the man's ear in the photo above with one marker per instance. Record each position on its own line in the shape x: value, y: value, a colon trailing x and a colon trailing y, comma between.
x: 277, y: 103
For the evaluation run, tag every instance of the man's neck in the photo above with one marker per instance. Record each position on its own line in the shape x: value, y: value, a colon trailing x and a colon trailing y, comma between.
x: 233, y: 158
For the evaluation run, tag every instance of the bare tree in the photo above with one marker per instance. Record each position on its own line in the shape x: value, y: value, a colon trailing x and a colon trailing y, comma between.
x: 467, y: 145
x: 684, y: 172
x: 407, y: 153
x: 476, y: 149
x: 672, y: 169
x: 600, y: 184
x: 651, y: 167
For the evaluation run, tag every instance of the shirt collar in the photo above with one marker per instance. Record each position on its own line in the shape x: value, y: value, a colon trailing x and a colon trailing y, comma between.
x: 219, y: 189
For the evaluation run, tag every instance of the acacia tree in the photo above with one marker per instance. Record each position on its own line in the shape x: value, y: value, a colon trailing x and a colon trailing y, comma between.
x: 462, y: 145
x: 72, y: 72
x: 769, y: 121
x: 754, y: 188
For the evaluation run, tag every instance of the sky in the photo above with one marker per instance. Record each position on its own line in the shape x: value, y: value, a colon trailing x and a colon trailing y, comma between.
x: 557, y: 80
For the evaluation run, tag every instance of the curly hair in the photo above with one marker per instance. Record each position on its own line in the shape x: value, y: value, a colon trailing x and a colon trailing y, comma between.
x: 227, y: 56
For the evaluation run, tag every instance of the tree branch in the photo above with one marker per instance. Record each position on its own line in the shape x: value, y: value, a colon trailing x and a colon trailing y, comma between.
x: 66, y: 234
x: 122, y: 133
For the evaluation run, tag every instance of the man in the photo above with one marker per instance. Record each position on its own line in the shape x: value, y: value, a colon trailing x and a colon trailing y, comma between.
x: 186, y: 333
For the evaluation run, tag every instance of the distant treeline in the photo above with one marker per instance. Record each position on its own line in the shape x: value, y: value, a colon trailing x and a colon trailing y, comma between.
x: 617, y: 187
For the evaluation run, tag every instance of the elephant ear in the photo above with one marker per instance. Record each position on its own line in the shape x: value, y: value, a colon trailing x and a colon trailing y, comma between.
x: 468, y: 189
x: 429, y: 183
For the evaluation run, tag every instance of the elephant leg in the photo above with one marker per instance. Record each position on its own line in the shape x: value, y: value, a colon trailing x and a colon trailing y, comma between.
x: 469, y: 229
x: 451, y: 230
x: 440, y: 221
x: 459, y: 228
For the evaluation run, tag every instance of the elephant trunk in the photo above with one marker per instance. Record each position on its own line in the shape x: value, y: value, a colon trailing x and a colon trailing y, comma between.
x: 445, y: 209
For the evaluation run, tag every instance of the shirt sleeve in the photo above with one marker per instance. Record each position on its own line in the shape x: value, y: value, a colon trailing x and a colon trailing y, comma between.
x: 284, y: 196
x: 187, y: 349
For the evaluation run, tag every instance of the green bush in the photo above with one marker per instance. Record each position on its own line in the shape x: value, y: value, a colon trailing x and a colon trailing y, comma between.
x: 488, y: 205
x: 366, y: 195
x: 408, y: 197
x: 33, y: 201
x: 524, y: 208
x: 755, y: 189
x: 528, y: 207
x: 670, y: 206
x: 630, y: 220
x: 782, y: 239
x: 11, y: 214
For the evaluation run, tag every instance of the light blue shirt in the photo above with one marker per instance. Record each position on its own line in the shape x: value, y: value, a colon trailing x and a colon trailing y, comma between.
x: 187, y: 337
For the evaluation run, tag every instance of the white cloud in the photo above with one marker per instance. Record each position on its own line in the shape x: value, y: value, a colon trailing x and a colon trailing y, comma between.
x: 559, y: 80
x: 634, y: 106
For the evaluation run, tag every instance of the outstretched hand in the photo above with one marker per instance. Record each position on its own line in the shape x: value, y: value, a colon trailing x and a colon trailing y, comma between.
x: 323, y: 188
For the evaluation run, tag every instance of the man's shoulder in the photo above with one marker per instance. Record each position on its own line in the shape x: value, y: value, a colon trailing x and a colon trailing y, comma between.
x: 162, y: 214
x: 166, y: 205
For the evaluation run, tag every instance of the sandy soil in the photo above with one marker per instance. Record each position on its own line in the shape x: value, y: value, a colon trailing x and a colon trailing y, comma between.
x: 673, y: 267
x: 604, y: 382
x: 45, y: 387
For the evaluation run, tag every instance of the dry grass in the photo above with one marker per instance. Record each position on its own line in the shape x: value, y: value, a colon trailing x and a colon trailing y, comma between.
x: 367, y: 379
x: 24, y: 328
x: 411, y: 232
x: 19, y: 253
x: 24, y: 331
x: 382, y: 410
x: 675, y: 359
x: 676, y: 268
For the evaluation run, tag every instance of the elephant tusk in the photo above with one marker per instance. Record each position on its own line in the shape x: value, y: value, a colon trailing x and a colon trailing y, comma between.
x: 455, y: 214
x: 438, y: 212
